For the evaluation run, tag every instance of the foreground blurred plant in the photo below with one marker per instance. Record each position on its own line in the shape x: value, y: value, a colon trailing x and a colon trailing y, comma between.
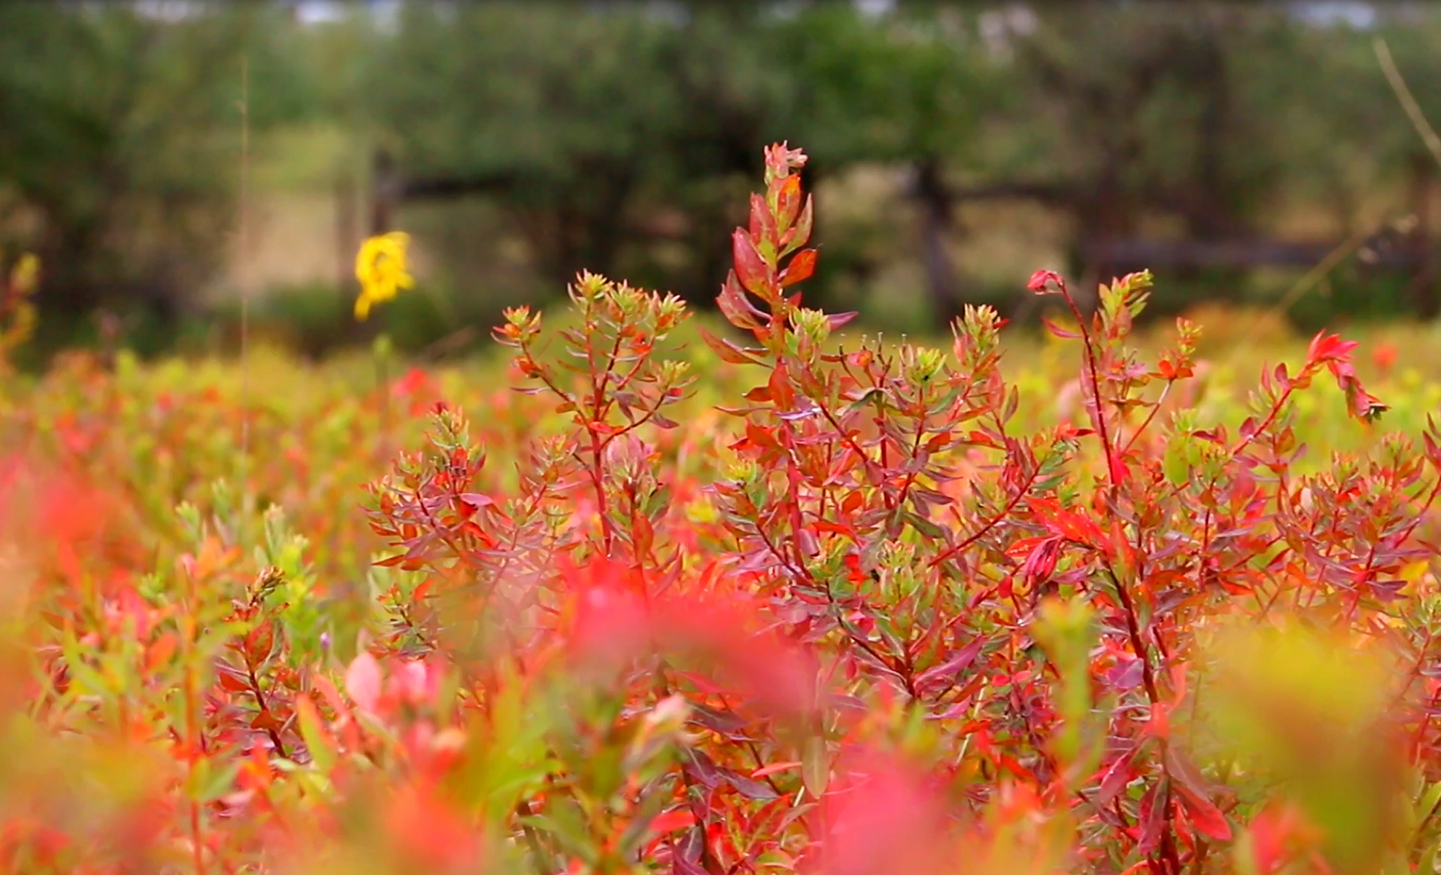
x: 872, y: 625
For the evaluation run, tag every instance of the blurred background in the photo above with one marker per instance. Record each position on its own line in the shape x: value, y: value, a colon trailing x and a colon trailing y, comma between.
x: 162, y: 158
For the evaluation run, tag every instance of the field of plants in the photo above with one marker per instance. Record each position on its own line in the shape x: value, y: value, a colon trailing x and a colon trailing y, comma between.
x: 654, y: 592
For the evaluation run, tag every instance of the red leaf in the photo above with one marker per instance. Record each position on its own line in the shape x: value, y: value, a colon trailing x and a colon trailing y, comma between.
x: 956, y: 664
x: 1205, y: 816
x: 1115, y: 778
x: 233, y: 683
x: 727, y: 351
x: 834, y: 528
x: 1043, y: 281
x: 801, y: 268
x: 363, y: 682
x: 671, y: 821
x: 750, y: 268
x: 760, y: 437
x: 1152, y: 819
x: 1063, y: 333
x: 775, y: 767
x: 782, y: 394
x: 1119, y: 472
x: 1191, y: 787
x: 788, y: 201
x: 1077, y: 528
x: 734, y: 305
x: 797, y: 236
x: 762, y: 224
x: 1041, y: 563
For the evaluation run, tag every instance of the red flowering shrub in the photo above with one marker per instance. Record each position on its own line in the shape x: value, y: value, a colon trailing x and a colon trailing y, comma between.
x: 873, y: 626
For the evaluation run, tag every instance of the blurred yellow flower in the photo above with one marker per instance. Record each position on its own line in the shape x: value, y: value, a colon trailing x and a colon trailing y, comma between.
x: 382, y: 270
x: 24, y: 274
x: 14, y: 308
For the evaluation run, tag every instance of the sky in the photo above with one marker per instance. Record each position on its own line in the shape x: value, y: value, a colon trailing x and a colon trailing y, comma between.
x: 1355, y: 13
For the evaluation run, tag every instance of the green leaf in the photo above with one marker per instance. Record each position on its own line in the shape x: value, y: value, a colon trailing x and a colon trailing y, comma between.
x: 815, y: 766
x: 652, y: 802
x: 1176, y: 462
x: 1425, y: 805
x: 925, y: 526
x: 208, y: 782
x: 565, y: 822
x: 317, y: 740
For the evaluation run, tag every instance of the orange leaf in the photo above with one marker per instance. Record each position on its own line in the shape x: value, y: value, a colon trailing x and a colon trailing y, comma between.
x: 160, y: 651
x: 1160, y: 724
x: 788, y: 201
x: 775, y: 767
x: 800, y: 268
x: 750, y: 268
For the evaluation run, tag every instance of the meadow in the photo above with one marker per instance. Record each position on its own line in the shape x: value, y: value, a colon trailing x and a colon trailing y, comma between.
x: 652, y: 591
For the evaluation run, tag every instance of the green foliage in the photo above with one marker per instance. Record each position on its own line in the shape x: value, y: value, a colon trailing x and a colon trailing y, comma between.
x: 120, y: 136
x: 617, y: 136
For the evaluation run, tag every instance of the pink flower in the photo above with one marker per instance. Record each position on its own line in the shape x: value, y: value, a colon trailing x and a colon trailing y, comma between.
x: 1045, y: 281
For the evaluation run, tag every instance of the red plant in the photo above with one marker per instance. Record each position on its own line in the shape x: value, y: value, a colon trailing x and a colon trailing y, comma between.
x: 903, y: 597
x: 905, y: 635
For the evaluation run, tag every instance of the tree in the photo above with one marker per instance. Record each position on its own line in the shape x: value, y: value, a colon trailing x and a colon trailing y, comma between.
x: 119, y: 142
x: 614, y: 135
x: 629, y: 121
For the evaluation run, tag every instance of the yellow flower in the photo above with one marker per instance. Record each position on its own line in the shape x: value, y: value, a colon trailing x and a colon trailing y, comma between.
x: 382, y: 270
x: 22, y: 325
x: 14, y: 307
x: 23, y: 275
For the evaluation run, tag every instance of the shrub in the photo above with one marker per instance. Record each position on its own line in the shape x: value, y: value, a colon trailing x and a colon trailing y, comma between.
x: 871, y: 626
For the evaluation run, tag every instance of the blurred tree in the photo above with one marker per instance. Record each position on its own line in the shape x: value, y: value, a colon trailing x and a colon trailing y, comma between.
x: 1225, y: 118
x: 911, y: 89
x: 620, y: 133
x: 599, y: 129
x: 119, y: 140
x: 1133, y: 114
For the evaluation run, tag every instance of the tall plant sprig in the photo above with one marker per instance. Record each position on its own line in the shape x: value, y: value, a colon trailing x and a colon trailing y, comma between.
x: 836, y: 498
x: 621, y: 381
x: 780, y: 225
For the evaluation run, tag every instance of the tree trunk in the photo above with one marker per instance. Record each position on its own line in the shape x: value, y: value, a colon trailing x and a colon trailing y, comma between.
x: 385, y: 192
x: 935, y: 201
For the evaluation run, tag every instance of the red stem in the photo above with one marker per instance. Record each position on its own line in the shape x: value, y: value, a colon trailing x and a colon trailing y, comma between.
x: 1091, y: 368
x: 992, y: 522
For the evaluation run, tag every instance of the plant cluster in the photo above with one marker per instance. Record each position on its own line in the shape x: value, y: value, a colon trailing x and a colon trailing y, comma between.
x: 871, y: 622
